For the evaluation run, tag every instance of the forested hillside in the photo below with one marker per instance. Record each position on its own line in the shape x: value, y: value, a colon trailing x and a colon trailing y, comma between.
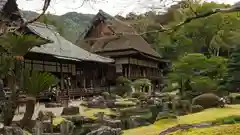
x: 69, y: 25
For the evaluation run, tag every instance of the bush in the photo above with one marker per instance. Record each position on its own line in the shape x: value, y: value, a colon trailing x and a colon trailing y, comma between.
x: 207, y: 100
x: 196, y: 108
x: 106, y: 95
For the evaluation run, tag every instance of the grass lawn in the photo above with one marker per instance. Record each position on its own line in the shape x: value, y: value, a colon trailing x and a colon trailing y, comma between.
x: 218, y: 130
x: 206, y: 115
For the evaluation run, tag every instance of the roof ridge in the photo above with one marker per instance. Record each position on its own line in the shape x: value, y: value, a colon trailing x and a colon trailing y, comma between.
x: 114, y: 18
x: 44, y: 25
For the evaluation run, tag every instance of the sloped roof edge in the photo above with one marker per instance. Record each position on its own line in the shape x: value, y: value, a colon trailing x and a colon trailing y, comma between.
x: 62, y: 47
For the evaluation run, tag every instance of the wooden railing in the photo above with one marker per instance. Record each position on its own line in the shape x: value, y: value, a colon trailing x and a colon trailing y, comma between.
x: 80, y: 92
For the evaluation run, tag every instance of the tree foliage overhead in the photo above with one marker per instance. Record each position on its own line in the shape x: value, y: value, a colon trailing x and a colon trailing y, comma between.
x: 214, y: 35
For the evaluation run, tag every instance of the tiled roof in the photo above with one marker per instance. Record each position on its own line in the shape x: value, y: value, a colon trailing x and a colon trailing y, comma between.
x: 60, y: 47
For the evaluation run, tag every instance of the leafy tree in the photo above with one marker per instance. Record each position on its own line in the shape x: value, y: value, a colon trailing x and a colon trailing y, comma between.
x: 233, y: 82
x: 33, y: 83
x: 203, y: 84
x: 195, y: 69
x: 213, y: 35
x: 124, y: 85
x: 187, y: 67
x: 141, y: 84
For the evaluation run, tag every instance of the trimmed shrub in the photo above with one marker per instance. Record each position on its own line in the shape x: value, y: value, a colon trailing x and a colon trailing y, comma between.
x: 137, y: 94
x: 207, y: 100
x: 196, y: 108
x: 106, y: 95
x: 183, y: 105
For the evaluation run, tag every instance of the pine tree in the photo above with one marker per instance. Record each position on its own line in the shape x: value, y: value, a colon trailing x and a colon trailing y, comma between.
x: 233, y: 82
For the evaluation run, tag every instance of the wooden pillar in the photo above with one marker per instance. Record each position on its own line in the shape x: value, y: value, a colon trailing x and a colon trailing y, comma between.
x: 84, y: 79
x: 129, y: 68
x: 62, y: 79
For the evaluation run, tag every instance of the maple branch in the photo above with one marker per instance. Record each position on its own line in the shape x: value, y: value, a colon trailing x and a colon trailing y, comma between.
x: 234, y: 8
x: 45, y: 7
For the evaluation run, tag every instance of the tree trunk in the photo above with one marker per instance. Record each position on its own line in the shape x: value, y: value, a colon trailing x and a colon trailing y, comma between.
x: 30, y: 106
x: 11, y: 104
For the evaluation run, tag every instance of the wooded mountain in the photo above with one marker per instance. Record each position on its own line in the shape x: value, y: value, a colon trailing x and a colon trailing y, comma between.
x: 69, y: 25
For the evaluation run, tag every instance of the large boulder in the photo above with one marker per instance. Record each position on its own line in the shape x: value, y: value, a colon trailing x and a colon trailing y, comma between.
x: 104, y: 130
x: 52, y: 105
x: 72, y: 110
x: 97, y: 102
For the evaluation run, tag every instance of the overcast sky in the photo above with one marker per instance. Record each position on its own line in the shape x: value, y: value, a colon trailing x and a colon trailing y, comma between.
x: 112, y: 7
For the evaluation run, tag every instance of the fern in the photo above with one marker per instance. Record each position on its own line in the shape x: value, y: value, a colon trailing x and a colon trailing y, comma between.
x: 18, y: 45
x: 34, y: 82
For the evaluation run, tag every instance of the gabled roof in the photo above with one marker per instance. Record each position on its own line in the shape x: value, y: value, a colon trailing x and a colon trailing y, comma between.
x: 130, y: 40
x: 60, y: 47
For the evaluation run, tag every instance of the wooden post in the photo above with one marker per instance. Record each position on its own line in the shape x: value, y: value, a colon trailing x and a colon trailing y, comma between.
x: 38, y: 130
x: 129, y: 68
x: 61, y: 83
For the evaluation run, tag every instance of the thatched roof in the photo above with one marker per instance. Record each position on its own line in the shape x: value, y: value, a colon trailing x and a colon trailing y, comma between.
x: 2, y: 4
x: 60, y: 47
x: 126, y: 41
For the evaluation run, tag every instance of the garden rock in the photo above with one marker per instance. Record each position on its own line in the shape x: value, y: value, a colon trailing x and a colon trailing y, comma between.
x: 52, y: 105
x: 113, y: 123
x: 79, y: 119
x: 104, y: 130
x: 45, y: 115
x: 110, y: 104
x: 98, y: 102
x: 72, y: 110
x: 13, y: 131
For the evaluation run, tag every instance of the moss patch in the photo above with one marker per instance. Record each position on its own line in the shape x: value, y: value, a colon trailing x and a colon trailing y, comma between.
x: 91, y: 112
x: 57, y: 121
x: 207, y: 115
